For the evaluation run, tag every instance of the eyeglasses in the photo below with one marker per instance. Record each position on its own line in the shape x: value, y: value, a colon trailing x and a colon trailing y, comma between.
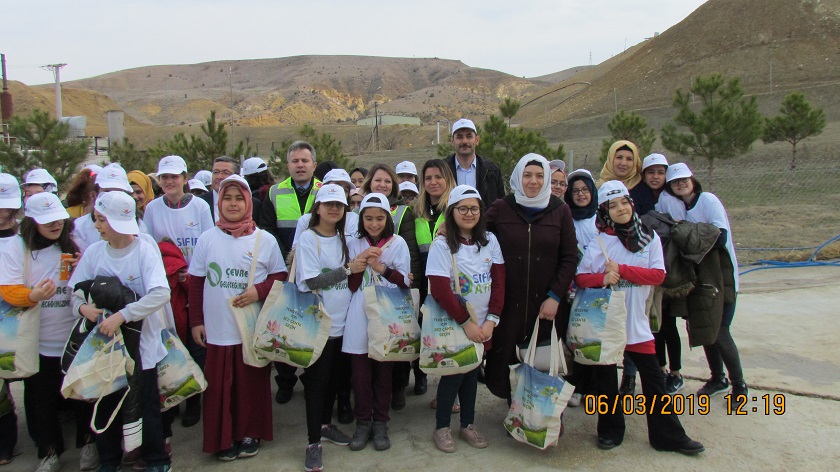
x: 226, y: 173
x: 681, y: 181
x: 465, y: 209
x: 558, y: 183
x: 580, y: 191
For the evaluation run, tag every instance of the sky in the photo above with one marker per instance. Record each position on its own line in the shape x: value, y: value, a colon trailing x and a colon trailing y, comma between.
x: 528, y: 38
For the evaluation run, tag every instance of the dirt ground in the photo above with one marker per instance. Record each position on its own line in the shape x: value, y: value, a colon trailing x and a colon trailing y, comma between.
x: 786, y: 330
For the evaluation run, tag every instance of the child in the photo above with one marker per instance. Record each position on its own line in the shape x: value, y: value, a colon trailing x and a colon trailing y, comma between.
x: 237, y: 406
x: 480, y: 281
x: 372, y: 379
x: 633, y: 263
x: 409, y: 192
x: 10, y: 197
x: 138, y: 265
x: 406, y: 172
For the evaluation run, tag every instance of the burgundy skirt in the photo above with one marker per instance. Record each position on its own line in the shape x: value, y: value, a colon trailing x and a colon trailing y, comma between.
x: 237, y: 402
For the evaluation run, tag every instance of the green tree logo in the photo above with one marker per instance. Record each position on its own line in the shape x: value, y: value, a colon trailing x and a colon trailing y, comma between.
x: 214, y: 274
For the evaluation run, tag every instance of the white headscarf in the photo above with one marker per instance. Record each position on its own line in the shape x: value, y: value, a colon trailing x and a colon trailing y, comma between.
x: 541, y: 200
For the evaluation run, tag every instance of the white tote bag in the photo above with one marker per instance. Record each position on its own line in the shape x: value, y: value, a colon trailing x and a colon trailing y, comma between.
x: 20, y: 329
x: 246, y: 318
x: 179, y: 377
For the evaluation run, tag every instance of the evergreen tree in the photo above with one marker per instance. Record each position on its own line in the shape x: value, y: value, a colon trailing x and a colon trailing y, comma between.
x: 796, y: 121
x: 630, y: 127
x: 509, y: 108
x: 327, y: 148
x: 131, y: 158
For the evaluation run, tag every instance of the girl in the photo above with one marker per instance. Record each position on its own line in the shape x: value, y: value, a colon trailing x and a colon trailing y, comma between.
x: 357, y: 176
x: 138, y: 266
x: 406, y: 172
x: 82, y: 193
x: 633, y: 263
x: 9, y: 209
x: 372, y: 379
x: 479, y: 256
x: 142, y: 190
x: 558, y: 178
x: 44, y: 237
x: 704, y: 207
x: 37, y: 181
x: 323, y: 264
x: 237, y: 406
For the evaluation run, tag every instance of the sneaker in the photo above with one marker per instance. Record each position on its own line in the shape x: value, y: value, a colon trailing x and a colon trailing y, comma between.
x: 88, y: 457
x: 575, y: 399
x: 5, y: 457
x: 360, y: 438
x: 284, y: 395
x: 131, y: 457
x: 380, y: 436
x: 249, y: 447
x: 714, y: 386
x: 470, y: 435
x: 160, y: 468
x: 398, y: 398
x: 313, y: 461
x: 691, y: 448
x: 139, y: 465
x: 443, y: 440
x: 628, y: 385
x: 334, y: 435
x: 49, y: 464
x: 606, y: 444
x: 674, y: 383
x: 739, y: 389
x: 228, y: 454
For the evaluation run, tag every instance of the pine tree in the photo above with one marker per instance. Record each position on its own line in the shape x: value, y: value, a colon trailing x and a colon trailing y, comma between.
x: 509, y: 108
x: 796, y: 121
x: 327, y: 148
x: 630, y: 127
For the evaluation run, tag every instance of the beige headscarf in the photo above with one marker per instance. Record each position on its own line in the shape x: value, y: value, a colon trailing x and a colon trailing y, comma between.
x: 607, y: 173
x: 145, y: 183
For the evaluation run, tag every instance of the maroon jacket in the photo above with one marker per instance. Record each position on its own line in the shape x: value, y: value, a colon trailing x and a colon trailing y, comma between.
x: 540, y: 252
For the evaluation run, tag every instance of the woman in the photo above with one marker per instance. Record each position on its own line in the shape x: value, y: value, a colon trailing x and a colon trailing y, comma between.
x: 143, y: 192
x: 537, y: 236
x: 558, y: 178
x: 705, y: 207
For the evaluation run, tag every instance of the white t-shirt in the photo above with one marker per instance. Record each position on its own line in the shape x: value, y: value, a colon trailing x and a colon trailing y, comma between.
x: 635, y: 296
x: 316, y: 255
x: 585, y: 231
x: 351, y: 226
x: 182, y: 225
x: 140, y: 270
x: 395, y: 256
x: 671, y: 205
x: 57, y: 318
x: 473, y: 276
x: 225, y: 262
x: 85, y: 233
x: 709, y: 209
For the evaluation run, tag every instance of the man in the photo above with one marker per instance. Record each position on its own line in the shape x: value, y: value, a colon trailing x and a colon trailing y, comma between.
x: 223, y: 167
x: 472, y: 169
x: 279, y: 212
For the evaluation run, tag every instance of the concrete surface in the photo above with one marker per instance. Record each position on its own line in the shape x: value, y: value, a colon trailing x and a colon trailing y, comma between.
x: 786, y: 327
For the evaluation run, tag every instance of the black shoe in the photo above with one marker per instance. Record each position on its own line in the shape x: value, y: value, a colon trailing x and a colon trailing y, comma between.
x: 481, y: 376
x: 345, y: 410
x: 362, y: 435
x: 398, y: 398
x: 714, y: 386
x: 739, y: 394
x: 249, y: 447
x: 691, y: 448
x: 606, y: 444
x: 283, y: 395
x: 192, y: 415
x: 628, y: 385
x: 229, y: 454
x: 673, y: 383
x: 380, y: 436
x: 421, y: 385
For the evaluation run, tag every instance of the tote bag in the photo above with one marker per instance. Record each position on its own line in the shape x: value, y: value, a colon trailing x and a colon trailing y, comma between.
x: 393, y: 330
x: 20, y: 329
x: 246, y: 317
x: 538, y: 399
x: 179, y: 377
x: 544, y: 352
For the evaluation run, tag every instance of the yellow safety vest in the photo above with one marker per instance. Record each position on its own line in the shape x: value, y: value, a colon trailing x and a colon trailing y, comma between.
x: 286, y: 204
x: 423, y: 235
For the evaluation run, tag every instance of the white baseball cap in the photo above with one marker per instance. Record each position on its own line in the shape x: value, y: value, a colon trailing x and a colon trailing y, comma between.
x: 339, y: 175
x: 205, y: 176
x: 375, y: 200
x: 654, y: 160
x: 406, y: 167
x: 41, y: 177
x: 194, y: 184
x: 409, y: 186
x: 462, y: 192
x: 331, y: 193
x: 173, y: 165
x: 557, y: 164
x: 463, y: 123
x: 677, y: 171
x: 94, y: 168
x: 578, y: 172
x: 234, y: 178
x: 113, y: 176
x: 45, y: 207
x: 253, y: 165
x: 119, y: 208
x: 10, y: 195
x: 611, y: 190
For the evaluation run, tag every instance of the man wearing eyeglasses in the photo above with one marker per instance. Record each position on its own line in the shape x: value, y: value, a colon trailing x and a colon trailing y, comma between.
x: 223, y: 167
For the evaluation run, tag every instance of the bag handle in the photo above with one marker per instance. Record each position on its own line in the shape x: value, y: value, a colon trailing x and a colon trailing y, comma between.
x: 604, y: 250
x: 377, y: 279
x: 254, y: 259
x: 110, y: 345
x: 557, y: 360
x: 293, y: 265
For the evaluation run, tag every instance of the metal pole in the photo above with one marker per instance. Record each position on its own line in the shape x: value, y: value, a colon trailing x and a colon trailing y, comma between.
x: 438, y: 131
x: 376, y: 127
x: 55, y: 68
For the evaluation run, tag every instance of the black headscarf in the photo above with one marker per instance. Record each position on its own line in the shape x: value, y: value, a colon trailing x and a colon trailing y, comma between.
x: 582, y: 213
x: 633, y: 235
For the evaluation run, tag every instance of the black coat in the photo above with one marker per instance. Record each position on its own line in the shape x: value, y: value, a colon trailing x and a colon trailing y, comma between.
x: 488, y: 179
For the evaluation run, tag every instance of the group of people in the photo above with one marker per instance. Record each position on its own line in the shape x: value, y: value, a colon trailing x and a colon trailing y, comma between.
x: 449, y: 230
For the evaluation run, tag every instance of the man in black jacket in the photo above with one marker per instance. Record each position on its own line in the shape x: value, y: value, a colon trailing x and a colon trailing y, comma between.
x: 472, y: 169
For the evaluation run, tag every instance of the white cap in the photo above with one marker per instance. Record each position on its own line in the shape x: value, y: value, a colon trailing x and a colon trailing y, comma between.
x: 205, y: 176
x: 375, y: 200
x: 406, y: 167
x: 463, y: 123
x: 557, y: 164
x: 10, y: 196
x: 234, y: 178
x: 41, y: 177
x: 677, y: 171
x: 654, y: 160
x: 611, y: 190
x: 45, y: 207
x: 578, y: 172
x: 409, y: 186
x: 94, y: 168
x: 462, y: 192
x: 173, y: 165
x: 339, y: 175
x: 113, y: 176
x: 195, y: 184
x: 119, y: 208
x: 331, y: 193
x: 253, y: 165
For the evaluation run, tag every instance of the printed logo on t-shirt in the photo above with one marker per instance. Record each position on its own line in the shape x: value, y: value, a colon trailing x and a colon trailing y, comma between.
x: 214, y: 274
x: 338, y: 286
x: 133, y: 279
x: 476, y: 283
x: 226, y: 278
x: 192, y: 225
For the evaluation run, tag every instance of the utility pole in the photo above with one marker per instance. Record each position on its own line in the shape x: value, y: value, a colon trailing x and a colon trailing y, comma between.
x: 376, y: 125
x: 55, y: 68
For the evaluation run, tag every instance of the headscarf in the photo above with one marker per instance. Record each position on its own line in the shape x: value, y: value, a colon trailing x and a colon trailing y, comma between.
x: 541, y: 200
x: 145, y: 183
x: 582, y: 213
x: 607, y: 173
x: 246, y: 225
x: 633, y: 235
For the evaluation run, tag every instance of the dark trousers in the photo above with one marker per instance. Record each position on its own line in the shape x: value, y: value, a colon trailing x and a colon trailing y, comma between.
x: 319, y: 389
x: 41, y: 401
x: 665, y: 432
x: 371, y: 388
x: 581, y: 378
x: 724, y: 350
x: 109, y: 442
x: 668, y: 340
x: 286, y: 377
x: 461, y: 386
x: 8, y: 425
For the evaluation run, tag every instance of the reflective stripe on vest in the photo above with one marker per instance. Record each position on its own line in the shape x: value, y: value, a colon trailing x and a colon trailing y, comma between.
x: 286, y: 205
